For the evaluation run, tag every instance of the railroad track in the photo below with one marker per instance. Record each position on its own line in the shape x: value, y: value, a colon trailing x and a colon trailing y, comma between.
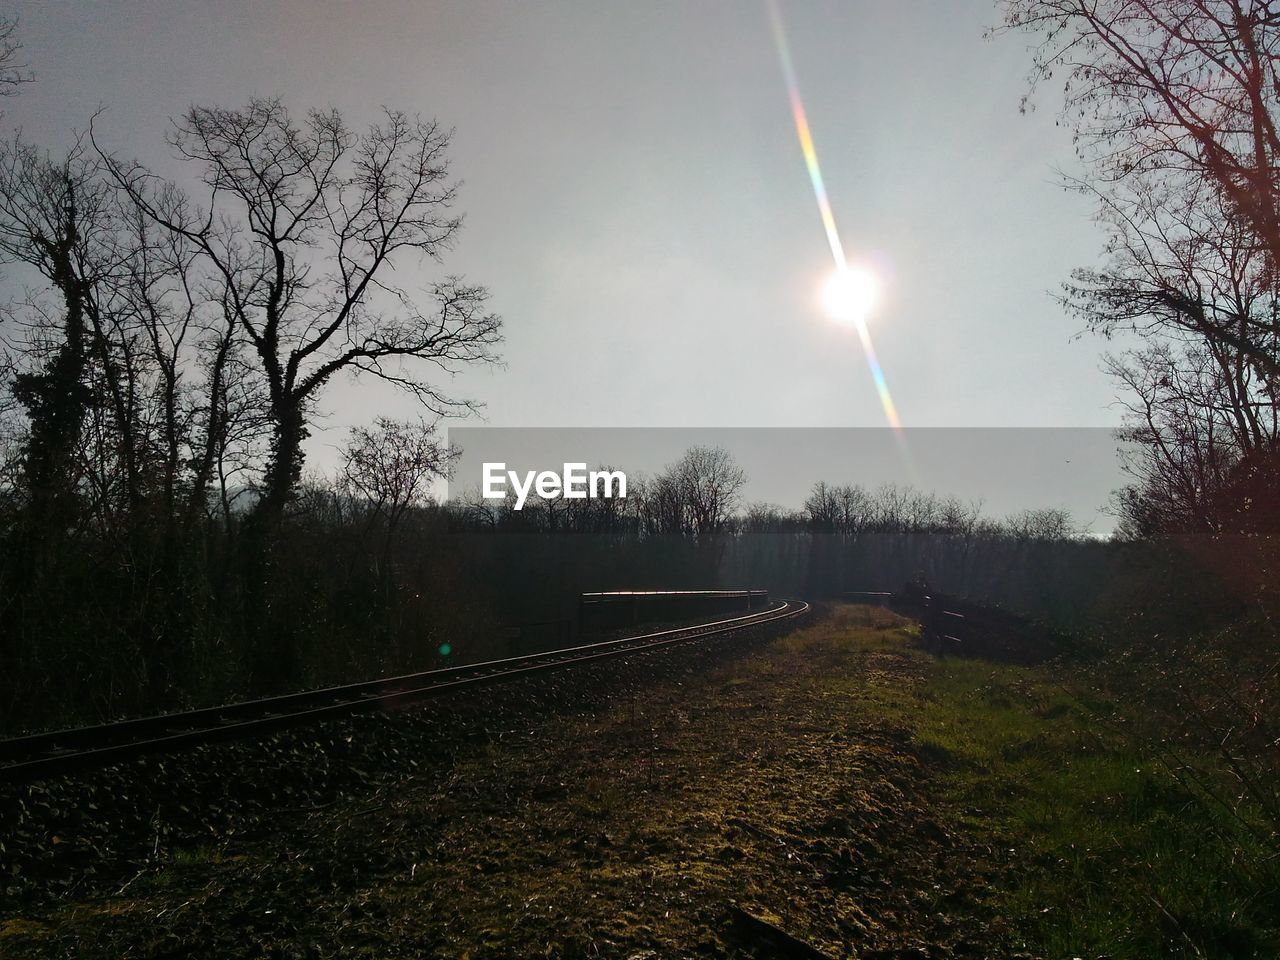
x: 45, y: 754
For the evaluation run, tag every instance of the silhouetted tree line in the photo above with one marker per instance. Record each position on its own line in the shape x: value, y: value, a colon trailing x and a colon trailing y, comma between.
x: 161, y: 541
x: 160, y: 379
x: 687, y: 526
x: 1174, y: 106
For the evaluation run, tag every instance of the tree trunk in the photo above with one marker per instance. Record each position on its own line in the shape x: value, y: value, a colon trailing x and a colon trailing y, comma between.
x: 274, y: 661
x: 284, y: 470
x: 56, y: 400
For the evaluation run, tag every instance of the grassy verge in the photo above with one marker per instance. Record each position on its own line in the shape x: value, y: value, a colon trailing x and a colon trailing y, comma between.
x: 1119, y: 860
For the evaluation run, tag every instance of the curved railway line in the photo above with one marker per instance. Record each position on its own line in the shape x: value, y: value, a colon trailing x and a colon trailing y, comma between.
x: 46, y: 754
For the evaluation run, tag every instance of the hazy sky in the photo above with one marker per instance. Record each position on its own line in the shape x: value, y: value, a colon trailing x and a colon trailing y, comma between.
x: 638, y: 205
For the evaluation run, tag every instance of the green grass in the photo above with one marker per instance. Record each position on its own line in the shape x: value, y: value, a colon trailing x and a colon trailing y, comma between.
x: 1120, y: 861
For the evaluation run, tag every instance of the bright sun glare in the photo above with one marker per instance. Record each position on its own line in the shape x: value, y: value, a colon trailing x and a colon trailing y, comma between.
x: 850, y: 294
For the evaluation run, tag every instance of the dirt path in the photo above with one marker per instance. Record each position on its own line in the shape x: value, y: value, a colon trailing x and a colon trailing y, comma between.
x: 770, y: 783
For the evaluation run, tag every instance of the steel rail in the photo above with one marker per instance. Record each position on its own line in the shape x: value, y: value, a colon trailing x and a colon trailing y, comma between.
x: 36, y: 755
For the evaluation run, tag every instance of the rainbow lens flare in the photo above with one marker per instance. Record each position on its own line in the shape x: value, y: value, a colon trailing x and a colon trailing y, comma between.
x: 845, y: 275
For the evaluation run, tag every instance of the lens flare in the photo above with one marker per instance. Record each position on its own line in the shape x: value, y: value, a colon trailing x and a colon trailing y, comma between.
x: 850, y: 295
x: 846, y: 291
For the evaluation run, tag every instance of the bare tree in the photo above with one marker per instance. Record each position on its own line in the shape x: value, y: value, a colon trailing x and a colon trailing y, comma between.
x: 309, y: 225
x: 1192, y: 417
x: 1176, y: 86
x: 13, y: 73
x: 708, y: 483
x: 391, y: 466
x: 762, y: 517
x: 822, y: 507
x: 839, y: 508
x: 123, y: 360
x: 55, y: 216
x: 659, y: 504
x: 1181, y: 265
x: 1174, y: 104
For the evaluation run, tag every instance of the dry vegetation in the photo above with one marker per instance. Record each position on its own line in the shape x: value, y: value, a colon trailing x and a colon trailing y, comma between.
x: 770, y: 782
x: 837, y: 784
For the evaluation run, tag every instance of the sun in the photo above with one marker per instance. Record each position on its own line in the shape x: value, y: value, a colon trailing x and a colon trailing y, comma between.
x: 850, y: 294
